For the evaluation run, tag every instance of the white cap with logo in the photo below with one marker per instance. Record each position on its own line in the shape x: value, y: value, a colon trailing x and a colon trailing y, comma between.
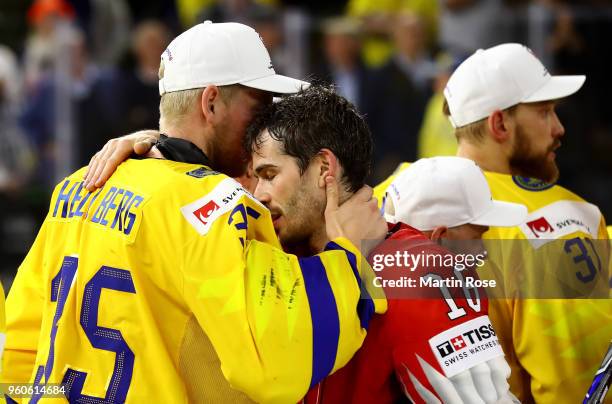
x: 448, y: 191
x: 500, y: 77
x: 221, y: 54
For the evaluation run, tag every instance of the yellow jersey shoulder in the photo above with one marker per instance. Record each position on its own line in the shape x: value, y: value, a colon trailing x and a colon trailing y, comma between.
x: 554, y: 211
x: 168, y: 190
x: 381, y: 189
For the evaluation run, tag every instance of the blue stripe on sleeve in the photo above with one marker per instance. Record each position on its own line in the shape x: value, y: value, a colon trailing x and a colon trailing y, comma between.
x: 325, y: 321
x: 365, y: 307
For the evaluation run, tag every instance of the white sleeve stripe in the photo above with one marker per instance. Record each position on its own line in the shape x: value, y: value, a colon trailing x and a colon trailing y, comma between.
x: 442, y: 385
x: 425, y: 394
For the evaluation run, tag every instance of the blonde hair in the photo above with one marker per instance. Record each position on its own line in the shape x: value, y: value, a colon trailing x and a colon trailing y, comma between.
x: 175, y: 105
x: 473, y: 132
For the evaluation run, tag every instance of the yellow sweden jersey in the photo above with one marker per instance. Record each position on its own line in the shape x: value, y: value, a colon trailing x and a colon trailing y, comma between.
x: 2, y: 326
x: 381, y: 189
x: 553, y: 346
x: 170, y: 280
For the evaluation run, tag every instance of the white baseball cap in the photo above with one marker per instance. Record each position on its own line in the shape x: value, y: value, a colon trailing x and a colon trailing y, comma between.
x: 221, y: 54
x: 448, y: 191
x: 500, y: 77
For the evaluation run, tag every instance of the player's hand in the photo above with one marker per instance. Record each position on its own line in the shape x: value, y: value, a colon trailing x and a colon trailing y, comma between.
x: 115, y: 152
x: 358, y: 219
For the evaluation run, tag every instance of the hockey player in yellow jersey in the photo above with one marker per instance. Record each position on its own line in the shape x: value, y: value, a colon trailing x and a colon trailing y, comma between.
x: 2, y: 325
x: 501, y: 102
x: 169, y: 284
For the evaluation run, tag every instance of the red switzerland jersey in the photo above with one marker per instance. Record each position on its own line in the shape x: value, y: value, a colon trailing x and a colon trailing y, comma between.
x: 417, y: 340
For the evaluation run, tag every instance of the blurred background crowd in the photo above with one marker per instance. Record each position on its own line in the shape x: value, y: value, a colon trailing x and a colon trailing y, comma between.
x: 75, y: 73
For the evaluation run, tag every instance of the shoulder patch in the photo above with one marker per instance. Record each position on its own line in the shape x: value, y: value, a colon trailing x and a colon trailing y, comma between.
x: 531, y: 184
x: 203, y: 212
x: 201, y: 172
x: 560, y: 219
x: 465, y: 345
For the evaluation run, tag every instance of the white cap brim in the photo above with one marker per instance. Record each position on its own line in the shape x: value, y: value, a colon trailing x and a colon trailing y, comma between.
x: 557, y: 87
x: 502, y: 214
x: 277, y: 83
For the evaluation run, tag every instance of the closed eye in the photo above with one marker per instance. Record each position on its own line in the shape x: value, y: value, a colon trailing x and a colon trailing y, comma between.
x: 266, y: 176
x: 266, y: 172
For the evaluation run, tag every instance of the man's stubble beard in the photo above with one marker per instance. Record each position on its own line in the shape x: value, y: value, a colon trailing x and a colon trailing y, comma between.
x: 307, y: 225
x: 523, y: 162
x: 230, y: 159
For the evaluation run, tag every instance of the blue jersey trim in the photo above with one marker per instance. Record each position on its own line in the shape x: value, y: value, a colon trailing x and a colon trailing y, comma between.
x: 324, y: 315
x: 365, y: 307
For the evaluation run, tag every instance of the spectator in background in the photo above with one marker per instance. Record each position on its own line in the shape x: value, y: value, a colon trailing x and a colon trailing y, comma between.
x: 437, y: 136
x: 16, y: 154
x: 162, y: 10
x: 91, y: 113
x: 397, y: 96
x: 44, y: 16
x: 343, y: 65
x: 467, y: 25
x: 377, y: 17
x: 138, y: 84
x: 411, y: 53
x: 17, y: 161
x: 109, y: 30
x: 268, y: 22
x: 188, y: 11
x: 574, y: 45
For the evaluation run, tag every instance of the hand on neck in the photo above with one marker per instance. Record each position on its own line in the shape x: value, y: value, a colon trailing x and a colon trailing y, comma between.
x: 319, y: 239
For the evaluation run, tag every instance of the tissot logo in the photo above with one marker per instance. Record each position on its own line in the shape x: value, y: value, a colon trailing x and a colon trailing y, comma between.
x: 465, y: 345
x: 205, y: 211
x: 445, y: 349
x: 465, y: 340
x: 458, y: 342
x: 540, y: 227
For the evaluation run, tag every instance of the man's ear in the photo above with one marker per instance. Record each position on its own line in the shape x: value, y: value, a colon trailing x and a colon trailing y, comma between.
x: 498, y: 126
x: 329, y: 166
x: 210, y: 103
x: 438, y: 233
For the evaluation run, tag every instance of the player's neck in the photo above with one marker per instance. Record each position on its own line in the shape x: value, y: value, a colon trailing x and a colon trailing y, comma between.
x: 310, y: 246
x: 318, y: 240
x: 188, y: 131
x: 487, y: 158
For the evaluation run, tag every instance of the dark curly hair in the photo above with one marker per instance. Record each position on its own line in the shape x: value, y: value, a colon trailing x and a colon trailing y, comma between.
x: 313, y: 119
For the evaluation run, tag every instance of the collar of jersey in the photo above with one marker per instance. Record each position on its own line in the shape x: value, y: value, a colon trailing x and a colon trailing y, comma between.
x: 181, y: 150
